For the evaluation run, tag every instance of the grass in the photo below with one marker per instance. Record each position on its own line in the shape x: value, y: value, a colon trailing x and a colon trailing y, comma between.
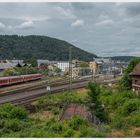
x: 61, y: 98
x: 55, y: 78
x: 122, y: 108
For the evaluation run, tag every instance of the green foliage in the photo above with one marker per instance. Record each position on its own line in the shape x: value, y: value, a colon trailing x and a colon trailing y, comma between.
x: 123, y: 58
x: 54, y: 109
x: 134, y: 119
x: 44, y: 72
x: 57, y: 70
x: 20, y: 71
x: 75, y: 122
x: 12, y: 112
x: 94, y: 104
x: 130, y: 106
x: 69, y: 133
x: 39, y: 47
x: 10, y: 72
x: 126, y: 81
x: 59, y: 99
x: 119, y: 122
x: 31, y: 61
x: 123, y: 108
x: 13, y: 124
x: 84, y: 64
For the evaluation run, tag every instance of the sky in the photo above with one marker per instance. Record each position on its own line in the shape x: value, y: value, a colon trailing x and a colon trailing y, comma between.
x: 105, y: 29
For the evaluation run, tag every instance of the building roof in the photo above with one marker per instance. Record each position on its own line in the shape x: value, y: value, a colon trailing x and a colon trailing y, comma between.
x: 136, y: 70
x: 6, y: 65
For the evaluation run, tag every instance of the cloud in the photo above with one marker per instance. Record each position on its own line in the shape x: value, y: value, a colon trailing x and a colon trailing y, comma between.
x: 26, y: 25
x: 133, y: 9
x: 66, y: 13
x: 34, y: 18
x: 103, y: 17
x: 77, y: 23
x: 106, y: 22
x: 81, y: 6
x: 2, y: 26
x: 55, y: 20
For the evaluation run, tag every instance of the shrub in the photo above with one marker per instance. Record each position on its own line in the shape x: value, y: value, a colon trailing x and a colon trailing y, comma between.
x: 19, y: 113
x: 134, y: 119
x: 5, y: 111
x: 119, y: 122
x: 56, y: 128
x: 38, y: 133
x: 69, y: 133
x: 14, y: 125
x: 10, y: 111
x: 130, y: 106
x: 75, y: 122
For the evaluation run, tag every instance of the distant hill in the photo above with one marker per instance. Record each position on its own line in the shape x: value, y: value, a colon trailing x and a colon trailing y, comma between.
x: 39, y: 47
x: 121, y: 58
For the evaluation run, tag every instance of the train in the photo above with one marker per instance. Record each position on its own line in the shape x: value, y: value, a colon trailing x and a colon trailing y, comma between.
x: 10, y: 80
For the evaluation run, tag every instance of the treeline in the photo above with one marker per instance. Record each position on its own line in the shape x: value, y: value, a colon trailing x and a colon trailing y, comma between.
x: 39, y: 47
x: 122, y: 58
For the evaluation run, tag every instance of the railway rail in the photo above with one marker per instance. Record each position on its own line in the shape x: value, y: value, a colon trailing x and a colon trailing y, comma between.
x: 27, y: 95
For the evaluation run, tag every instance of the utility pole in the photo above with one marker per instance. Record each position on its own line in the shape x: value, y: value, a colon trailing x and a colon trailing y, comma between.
x: 70, y: 69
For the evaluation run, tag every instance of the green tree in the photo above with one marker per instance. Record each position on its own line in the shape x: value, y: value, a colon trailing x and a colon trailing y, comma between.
x: 84, y: 64
x: 93, y: 102
x: 126, y: 81
x: 31, y: 61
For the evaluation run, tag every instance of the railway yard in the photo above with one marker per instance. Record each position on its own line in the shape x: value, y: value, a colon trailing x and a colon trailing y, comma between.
x: 24, y: 94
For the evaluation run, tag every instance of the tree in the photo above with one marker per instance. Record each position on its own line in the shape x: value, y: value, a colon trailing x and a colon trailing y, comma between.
x: 31, y: 61
x: 41, y: 47
x: 84, y: 64
x: 57, y: 70
x: 126, y: 81
x: 94, y: 104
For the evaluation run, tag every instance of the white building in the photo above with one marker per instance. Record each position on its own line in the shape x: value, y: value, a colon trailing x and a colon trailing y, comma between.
x: 5, y: 64
x: 62, y: 65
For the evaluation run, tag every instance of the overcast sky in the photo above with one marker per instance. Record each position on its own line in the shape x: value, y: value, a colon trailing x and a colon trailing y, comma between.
x: 106, y: 29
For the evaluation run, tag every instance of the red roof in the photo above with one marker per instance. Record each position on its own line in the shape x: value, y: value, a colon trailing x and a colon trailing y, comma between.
x: 136, y: 70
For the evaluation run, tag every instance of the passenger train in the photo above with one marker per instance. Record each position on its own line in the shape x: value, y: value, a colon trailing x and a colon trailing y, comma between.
x: 5, y: 81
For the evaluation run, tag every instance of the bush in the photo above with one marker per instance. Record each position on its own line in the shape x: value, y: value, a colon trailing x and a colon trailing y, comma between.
x: 10, y: 111
x: 14, y: 125
x: 130, y: 106
x: 76, y: 122
x: 119, y: 122
x: 56, y: 128
x: 19, y: 113
x: 38, y: 133
x: 134, y: 119
x: 69, y: 133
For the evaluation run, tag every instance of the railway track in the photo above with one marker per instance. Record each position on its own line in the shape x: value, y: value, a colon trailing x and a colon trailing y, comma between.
x: 26, y: 96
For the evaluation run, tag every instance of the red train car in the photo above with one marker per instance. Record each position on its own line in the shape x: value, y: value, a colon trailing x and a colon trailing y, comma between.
x: 31, y: 77
x: 4, y: 81
x: 15, y: 79
x: 18, y: 79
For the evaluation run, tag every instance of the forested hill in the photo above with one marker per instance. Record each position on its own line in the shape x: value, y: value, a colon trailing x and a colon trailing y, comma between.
x: 39, y: 47
x: 123, y: 58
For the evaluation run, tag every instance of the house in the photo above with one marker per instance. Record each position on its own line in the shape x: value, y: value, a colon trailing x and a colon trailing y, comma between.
x: 75, y: 72
x: 20, y: 62
x: 43, y: 64
x: 93, y: 66
x: 62, y: 65
x: 5, y: 64
x: 136, y: 78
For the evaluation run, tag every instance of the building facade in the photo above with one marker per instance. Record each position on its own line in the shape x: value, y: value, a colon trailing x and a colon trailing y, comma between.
x: 136, y: 78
